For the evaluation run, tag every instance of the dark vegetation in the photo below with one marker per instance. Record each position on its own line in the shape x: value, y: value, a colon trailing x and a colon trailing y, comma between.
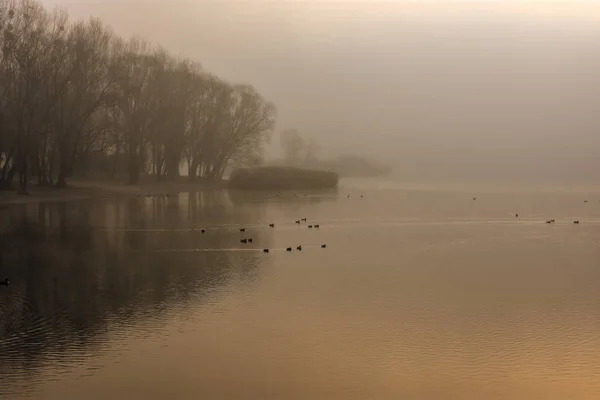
x: 282, y: 178
x: 76, y: 99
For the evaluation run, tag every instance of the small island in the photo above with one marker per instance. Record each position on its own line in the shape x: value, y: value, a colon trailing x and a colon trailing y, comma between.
x: 282, y: 178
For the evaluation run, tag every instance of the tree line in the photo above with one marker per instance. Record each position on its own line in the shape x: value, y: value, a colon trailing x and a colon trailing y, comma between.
x: 73, y: 91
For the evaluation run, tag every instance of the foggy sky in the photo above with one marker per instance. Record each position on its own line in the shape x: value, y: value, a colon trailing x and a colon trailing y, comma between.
x: 443, y: 90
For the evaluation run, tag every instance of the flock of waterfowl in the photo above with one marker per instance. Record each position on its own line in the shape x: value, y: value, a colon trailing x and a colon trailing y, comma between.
x: 247, y: 240
x: 272, y: 225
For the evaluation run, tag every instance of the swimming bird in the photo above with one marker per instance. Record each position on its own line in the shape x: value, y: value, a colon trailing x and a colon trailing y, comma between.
x: 316, y: 226
x: 303, y: 219
x: 250, y: 240
x: 265, y: 250
x: 310, y: 226
x: 517, y: 215
x: 298, y: 221
x: 272, y: 225
x: 474, y: 198
x: 203, y: 231
x: 585, y: 201
x: 242, y: 229
x: 323, y: 246
x: 362, y: 195
x: 244, y: 241
x: 5, y: 282
x: 288, y: 249
x: 576, y: 222
x: 299, y: 248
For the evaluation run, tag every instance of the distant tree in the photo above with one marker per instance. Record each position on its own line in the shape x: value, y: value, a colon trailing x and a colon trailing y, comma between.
x: 312, y: 150
x: 292, y: 144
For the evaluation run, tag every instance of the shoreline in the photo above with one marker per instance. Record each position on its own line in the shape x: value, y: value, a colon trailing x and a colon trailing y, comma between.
x: 90, y: 189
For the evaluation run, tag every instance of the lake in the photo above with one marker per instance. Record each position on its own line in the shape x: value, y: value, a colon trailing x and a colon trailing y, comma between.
x: 420, y: 293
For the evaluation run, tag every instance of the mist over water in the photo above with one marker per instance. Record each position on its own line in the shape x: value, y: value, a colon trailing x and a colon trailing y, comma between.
x: 420, y: 293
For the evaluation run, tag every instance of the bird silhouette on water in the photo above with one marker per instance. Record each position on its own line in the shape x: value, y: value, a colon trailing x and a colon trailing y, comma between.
x: 299, y: 248
x: 303, y: 219
x: 310, y: 226
x: 244, y: 241
x: 249, y: 240
x: 265, y: 250
x: 298, y: 221
x: 272, y: 225
x: 517, y: 215
x: 203, y: 231
x: 5, y: 282
x: 323, y: 246
x: 316, y: 226
x: 242, y: 229
x: 550, y: 221
x: 576, y: 222
x: 288, y: 249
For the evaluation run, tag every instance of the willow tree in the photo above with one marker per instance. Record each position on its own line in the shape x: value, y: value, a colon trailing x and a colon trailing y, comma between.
x: 84, y: 85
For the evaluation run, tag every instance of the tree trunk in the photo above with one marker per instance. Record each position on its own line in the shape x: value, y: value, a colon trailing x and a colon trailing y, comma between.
x: 192, y: 170
x: 133, y: 169
x: 114, y: 166
x: 23, y: 178
x: 61, y: 181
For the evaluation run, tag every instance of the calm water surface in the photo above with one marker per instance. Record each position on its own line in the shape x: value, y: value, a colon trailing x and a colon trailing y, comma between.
x: 420, y: 294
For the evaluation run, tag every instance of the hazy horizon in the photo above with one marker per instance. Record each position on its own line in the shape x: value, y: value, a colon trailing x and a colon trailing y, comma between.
x: 441, y: 90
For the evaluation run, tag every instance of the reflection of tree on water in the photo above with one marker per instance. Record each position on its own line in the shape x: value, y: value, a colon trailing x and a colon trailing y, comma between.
x: 73, y: 280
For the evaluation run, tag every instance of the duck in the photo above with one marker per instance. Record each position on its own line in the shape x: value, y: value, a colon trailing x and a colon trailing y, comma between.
x: 242, y: 229
x: 310, y: 226
x: 576, y: 222
x: 298, y: 221
x: 203, y: 231
x: 288, y: 249
x: 299, y: 248
x: 585, y: 201
x: 244, y: 241
x: 316, y: 226
x: 303, y: 219
x: 250, y: 240
x: 5, y: 282
x: 265, y: 250
x: 323, y: 246
x: 474, y: 198
x: 517, y: 215
x: 272, y: 225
